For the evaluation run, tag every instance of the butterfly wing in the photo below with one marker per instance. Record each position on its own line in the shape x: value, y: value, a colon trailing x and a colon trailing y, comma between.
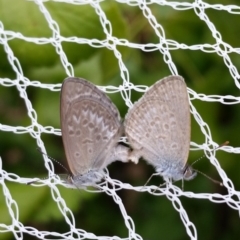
x: 90, y: 125
x: 158, y: 126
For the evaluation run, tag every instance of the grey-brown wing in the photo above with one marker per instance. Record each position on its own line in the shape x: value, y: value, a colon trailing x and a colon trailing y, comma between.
x: 90, y: 125
x: 158, y: 125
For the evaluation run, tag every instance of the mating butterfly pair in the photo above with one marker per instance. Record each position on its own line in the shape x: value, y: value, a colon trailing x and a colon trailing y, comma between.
x: 157, y: 128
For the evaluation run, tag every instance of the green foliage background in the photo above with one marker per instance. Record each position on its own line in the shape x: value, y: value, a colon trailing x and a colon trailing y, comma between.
x: 154, y: 217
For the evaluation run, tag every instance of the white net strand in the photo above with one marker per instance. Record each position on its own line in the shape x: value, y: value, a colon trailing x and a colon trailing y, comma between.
x: 221, y: 52
x: 111, y: 41
x: 173, y: 196
x: 36, y: 130
x: 127, y: 219
x: 159, y: 31
x: 56, y: 39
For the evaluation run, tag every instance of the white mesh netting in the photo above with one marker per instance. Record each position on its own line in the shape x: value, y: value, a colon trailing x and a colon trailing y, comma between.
x: 123, y: 47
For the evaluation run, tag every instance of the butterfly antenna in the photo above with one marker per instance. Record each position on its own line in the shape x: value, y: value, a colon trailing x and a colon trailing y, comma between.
x: 223, y: 144
x: 213, y: 180
x: 205, y: 175
x: 203, y: 156
x: 54, y: 160
x: 29, y: 183
x: 219, y: 146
